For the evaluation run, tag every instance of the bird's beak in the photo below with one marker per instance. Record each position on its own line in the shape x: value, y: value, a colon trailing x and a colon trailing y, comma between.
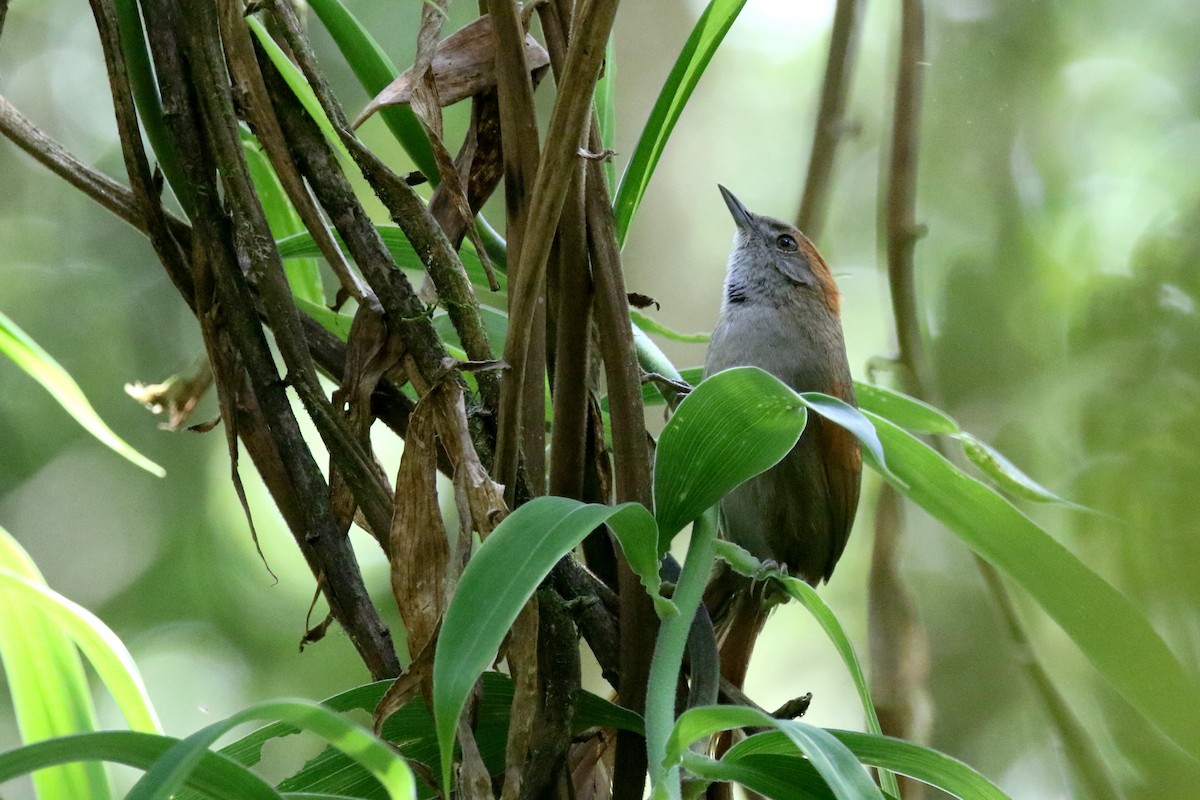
x: 741, y: 215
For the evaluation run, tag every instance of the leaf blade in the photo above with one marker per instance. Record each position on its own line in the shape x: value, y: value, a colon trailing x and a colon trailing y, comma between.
x: 41, y: 366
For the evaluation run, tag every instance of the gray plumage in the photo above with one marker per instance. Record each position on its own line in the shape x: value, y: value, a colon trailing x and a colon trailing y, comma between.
x: 781, y: 313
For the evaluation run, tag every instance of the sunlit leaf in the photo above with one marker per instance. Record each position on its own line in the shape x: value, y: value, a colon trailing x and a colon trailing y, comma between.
x: 44, y: 675
x: 213, y: 777
x: 732, y: 426
x: 29, y: 356
x: 170, y: 772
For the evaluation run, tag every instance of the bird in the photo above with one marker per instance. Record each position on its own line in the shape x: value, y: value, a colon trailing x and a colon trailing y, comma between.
x: 781, y: 312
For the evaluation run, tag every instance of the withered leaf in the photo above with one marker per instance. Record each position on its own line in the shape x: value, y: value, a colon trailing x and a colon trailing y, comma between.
x: 418, y: 549
x: 177, y: 395
x: 463, y: 65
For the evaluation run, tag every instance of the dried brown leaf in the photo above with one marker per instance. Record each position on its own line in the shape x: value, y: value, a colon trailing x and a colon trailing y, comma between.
x: 418, y: 550
x: 591, y: 763
x: 177, y: 395
x: 463, y: 64
x: 371, y: 351
x: 417, y: 679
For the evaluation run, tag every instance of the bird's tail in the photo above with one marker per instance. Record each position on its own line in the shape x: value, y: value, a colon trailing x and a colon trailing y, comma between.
x: 739, y: 611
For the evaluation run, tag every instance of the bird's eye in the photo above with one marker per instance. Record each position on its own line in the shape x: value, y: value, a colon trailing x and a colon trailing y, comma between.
x: 786, y: 242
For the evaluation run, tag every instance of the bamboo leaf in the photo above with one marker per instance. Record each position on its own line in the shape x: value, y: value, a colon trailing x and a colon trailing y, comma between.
x: 29, y: 356
x: 706, y: 36
x: 497, y: 583
x: 1114, y: 635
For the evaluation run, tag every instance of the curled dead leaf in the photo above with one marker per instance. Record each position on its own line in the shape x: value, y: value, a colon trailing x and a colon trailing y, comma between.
x: 177, y: 395
x: 463, y: 65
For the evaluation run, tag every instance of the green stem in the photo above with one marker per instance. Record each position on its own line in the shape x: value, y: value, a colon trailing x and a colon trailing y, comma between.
x: 668, y: 653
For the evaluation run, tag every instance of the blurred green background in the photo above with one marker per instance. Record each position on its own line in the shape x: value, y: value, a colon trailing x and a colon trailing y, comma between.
x: 1060, y: 184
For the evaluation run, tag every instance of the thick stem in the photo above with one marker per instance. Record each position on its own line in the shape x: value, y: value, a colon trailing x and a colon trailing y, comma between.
x: 568, y: 121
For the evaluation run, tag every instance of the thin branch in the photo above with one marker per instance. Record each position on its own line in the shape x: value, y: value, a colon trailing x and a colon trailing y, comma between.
x: 216, y: 103
x: 902, y: 235
x: 108, y: 193
x: 570, y: 293
x: 146, y: 191
x: 522, y: 394
x: 410, y: 213
x: 254, y: 398
x: 831, y: 116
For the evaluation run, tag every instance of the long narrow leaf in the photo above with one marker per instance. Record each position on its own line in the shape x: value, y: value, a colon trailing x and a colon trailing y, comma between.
x: 708, y: 33
x: 746, y: 564
x: 298, y: 83
x: 45, y: 677
x: 1106, y: 626
x: 498, y: 581
x: 214, y: 777
x: 778, y: 777
x: 171, y: 771
x: 103, y: 649
x: 918, y: 762
x: 302, y: 245
x: 29, y: 356
x: 838, y: 766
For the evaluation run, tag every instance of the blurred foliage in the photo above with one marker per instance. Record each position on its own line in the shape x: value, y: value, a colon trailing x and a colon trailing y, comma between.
x: 1061, y: 145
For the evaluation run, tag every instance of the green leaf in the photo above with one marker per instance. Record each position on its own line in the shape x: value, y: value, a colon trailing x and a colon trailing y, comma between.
x: 778, y: 777
x: 653, y: 326
x: 214, y: 777
x: 298, y: 83
x: 103, y: 649
x: 697, y: 51
x: 302, y: 245
x: 375, y: 71
x: 171, y: 770
x: 1106, y: 626
x: 45, y: 677
x: 734, y: 425
x: 411, y: 729
x: 842, y: 413
x: 497, y: 583
x: 304, y: 276
x: 29, y: 356
x: 837, y: 765
x: 907, y: 412
x: 1007, y: 475
x: 667, y: 659
x: 606, y: 106
x: 746, y: 564
x: 917, y: 762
